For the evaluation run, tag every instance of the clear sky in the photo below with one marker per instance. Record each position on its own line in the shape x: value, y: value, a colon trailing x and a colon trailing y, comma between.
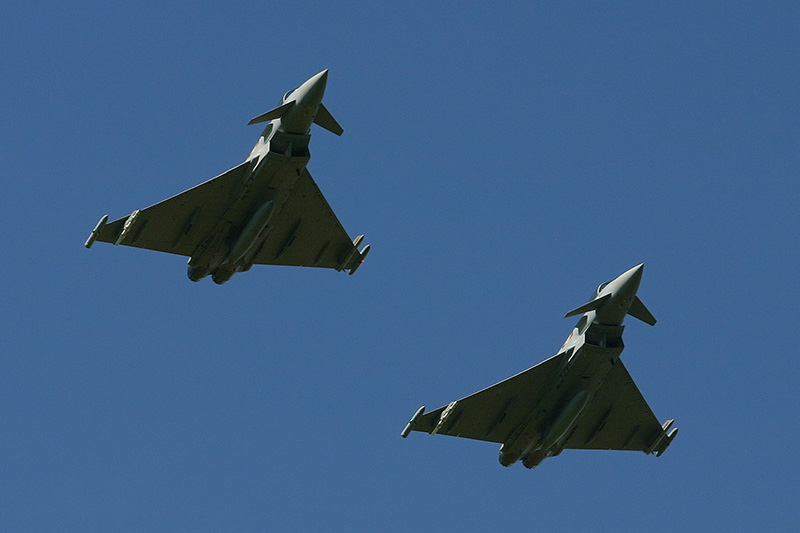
x: 502, y: 161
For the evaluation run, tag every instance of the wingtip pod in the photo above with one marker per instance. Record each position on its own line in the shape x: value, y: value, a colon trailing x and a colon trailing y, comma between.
x: 664, y: 439
x: 412, y: 422
x: 362, y: 255
x: 96, y: 231
x: 354, y: 257
x: 670, y: 437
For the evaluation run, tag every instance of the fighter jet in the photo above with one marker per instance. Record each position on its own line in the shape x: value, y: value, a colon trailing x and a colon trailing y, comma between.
x: 581, y: 398
x: 266, y: 211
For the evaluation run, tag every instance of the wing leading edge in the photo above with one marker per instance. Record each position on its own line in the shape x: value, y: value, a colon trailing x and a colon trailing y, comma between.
x: 491, y: 414
x: 178, y: 224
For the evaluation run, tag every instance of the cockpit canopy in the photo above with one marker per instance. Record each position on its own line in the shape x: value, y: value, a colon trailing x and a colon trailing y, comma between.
x: 287, y: 95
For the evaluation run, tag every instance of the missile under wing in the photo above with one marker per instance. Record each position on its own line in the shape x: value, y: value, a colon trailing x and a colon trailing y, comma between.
x: 267, y: 210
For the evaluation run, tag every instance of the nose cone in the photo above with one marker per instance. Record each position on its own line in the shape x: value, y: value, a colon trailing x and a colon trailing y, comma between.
x: 622, y: 291
x: 307, y: 98
x: 628, y: 281
x: 313, y: 89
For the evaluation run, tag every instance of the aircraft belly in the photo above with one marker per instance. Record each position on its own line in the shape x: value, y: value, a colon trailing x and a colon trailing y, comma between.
x: 586, y: 370
x: 276, y: 179
x: 274, y: 176
x: 272, y: 179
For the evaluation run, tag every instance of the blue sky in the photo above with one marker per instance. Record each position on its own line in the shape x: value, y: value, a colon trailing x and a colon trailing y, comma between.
x: 502, y: 161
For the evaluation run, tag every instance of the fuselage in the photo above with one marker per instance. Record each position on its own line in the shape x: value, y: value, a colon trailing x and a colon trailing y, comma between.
x: 585, y: 359
x: 277, y: 160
